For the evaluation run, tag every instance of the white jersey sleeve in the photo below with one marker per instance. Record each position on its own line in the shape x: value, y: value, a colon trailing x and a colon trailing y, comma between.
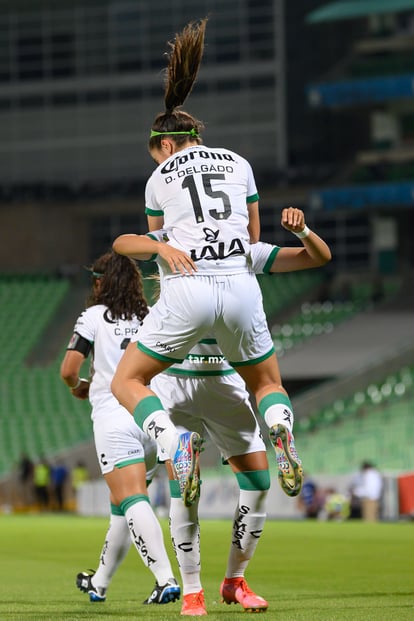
x: 262, y: 257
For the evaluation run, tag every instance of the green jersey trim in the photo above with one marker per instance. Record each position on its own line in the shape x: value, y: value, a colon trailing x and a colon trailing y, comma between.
x: 252, y: 199
x: 153, y: 212
x: 269, y: 262
x: 255, y: 361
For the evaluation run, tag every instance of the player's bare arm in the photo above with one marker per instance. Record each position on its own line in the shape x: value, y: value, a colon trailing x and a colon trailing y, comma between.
x: 155, y: 223
x: 314, y: 253
x: 143, y: 248
x: 254, y: 221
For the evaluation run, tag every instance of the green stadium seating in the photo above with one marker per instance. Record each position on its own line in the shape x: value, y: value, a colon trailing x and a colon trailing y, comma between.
x: 372, y: 424
x: 38, y: 414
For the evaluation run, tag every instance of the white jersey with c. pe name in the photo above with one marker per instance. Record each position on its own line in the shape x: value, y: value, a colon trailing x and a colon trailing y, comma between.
x: 202, y: 193
x: 109, y: 338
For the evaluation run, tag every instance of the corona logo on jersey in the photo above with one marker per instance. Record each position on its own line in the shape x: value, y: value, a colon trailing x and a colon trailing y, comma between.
x: 173, y: 165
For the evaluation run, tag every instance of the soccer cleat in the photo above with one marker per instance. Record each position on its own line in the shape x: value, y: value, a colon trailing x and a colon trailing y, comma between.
x: 84, y: 584
x: 288, y: 462
x: 186, y: 466
x: 237, y: 591
x: 194, y: 605
x: 165, y: 593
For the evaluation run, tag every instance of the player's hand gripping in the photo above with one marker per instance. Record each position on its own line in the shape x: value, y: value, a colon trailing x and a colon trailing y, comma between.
x: 178, y: 260
x: 293, y: 219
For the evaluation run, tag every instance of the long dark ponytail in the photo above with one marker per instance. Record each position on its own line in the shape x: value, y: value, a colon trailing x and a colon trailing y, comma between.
x: 184, y: 60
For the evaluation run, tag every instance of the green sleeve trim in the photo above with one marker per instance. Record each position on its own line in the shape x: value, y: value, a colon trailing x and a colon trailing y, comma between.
x: 130, y: 501
x: 269, y: 262
x: 186, y: 373
x: 128, y: 462
x: 252, y: 199
x: 255, y: 361
x: 153, y: 212
x: 174, y: 489
x: 274, y: 398
x: 153, y: 354
x: 254, y: 480
x: 147, y: 406
x: 208, y: 341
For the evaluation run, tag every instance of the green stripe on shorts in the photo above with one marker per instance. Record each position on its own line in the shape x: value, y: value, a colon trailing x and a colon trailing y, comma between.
x: 255, y: 361
x: 129, y: 462
x: 154, y: 354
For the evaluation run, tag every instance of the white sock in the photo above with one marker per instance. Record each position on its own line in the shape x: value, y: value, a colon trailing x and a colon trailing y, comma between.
x: 185, y: 535
x: 279, y: 413
x: 146, y: 534
x: 248, y: 524
x: 114, y: 550
x: 159, y: 427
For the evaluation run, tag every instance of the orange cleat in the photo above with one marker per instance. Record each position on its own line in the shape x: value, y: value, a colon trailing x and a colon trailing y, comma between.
x: 194, y: 605
x: 237, y: 591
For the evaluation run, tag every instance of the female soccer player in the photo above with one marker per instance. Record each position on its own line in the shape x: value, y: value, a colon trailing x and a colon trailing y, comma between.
x: 208, y: 203
x: 204, y: 394
x: 127, y: 457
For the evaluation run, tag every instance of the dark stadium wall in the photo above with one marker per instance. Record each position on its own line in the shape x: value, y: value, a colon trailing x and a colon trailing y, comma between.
x: 60, y: 238
x: 41, y: 237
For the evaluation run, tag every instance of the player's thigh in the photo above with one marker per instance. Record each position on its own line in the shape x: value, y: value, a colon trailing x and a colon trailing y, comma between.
x: 260, y: 375
x: 137, y: 365
x: 249, y: 462
x: 127, y: 481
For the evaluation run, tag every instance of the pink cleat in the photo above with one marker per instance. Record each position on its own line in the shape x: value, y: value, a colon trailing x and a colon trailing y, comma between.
x: 237, y: 591
x: 194, y: 605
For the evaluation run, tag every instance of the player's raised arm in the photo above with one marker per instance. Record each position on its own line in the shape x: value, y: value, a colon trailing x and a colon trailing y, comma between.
x: 314, y: 253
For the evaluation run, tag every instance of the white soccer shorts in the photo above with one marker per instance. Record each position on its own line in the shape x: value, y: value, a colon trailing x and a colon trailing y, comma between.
x: 216, y: 405
x: 229, y: 306
x: 119, y: 441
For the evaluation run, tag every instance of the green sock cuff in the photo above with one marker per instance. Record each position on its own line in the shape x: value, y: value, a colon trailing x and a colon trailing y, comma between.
x: 116, y: 510
x: 254, y: 480
x: 174, y: 489
x: 129, y: 501
x: 274, y: 398
x: 145, y: 407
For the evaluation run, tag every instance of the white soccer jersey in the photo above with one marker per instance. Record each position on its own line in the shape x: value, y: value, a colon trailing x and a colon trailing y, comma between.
x: 202, y: 193
x: 109, y: 338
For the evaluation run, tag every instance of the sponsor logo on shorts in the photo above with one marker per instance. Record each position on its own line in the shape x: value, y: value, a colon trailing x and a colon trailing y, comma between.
x: 165, y: 346
x: 193, y: 358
